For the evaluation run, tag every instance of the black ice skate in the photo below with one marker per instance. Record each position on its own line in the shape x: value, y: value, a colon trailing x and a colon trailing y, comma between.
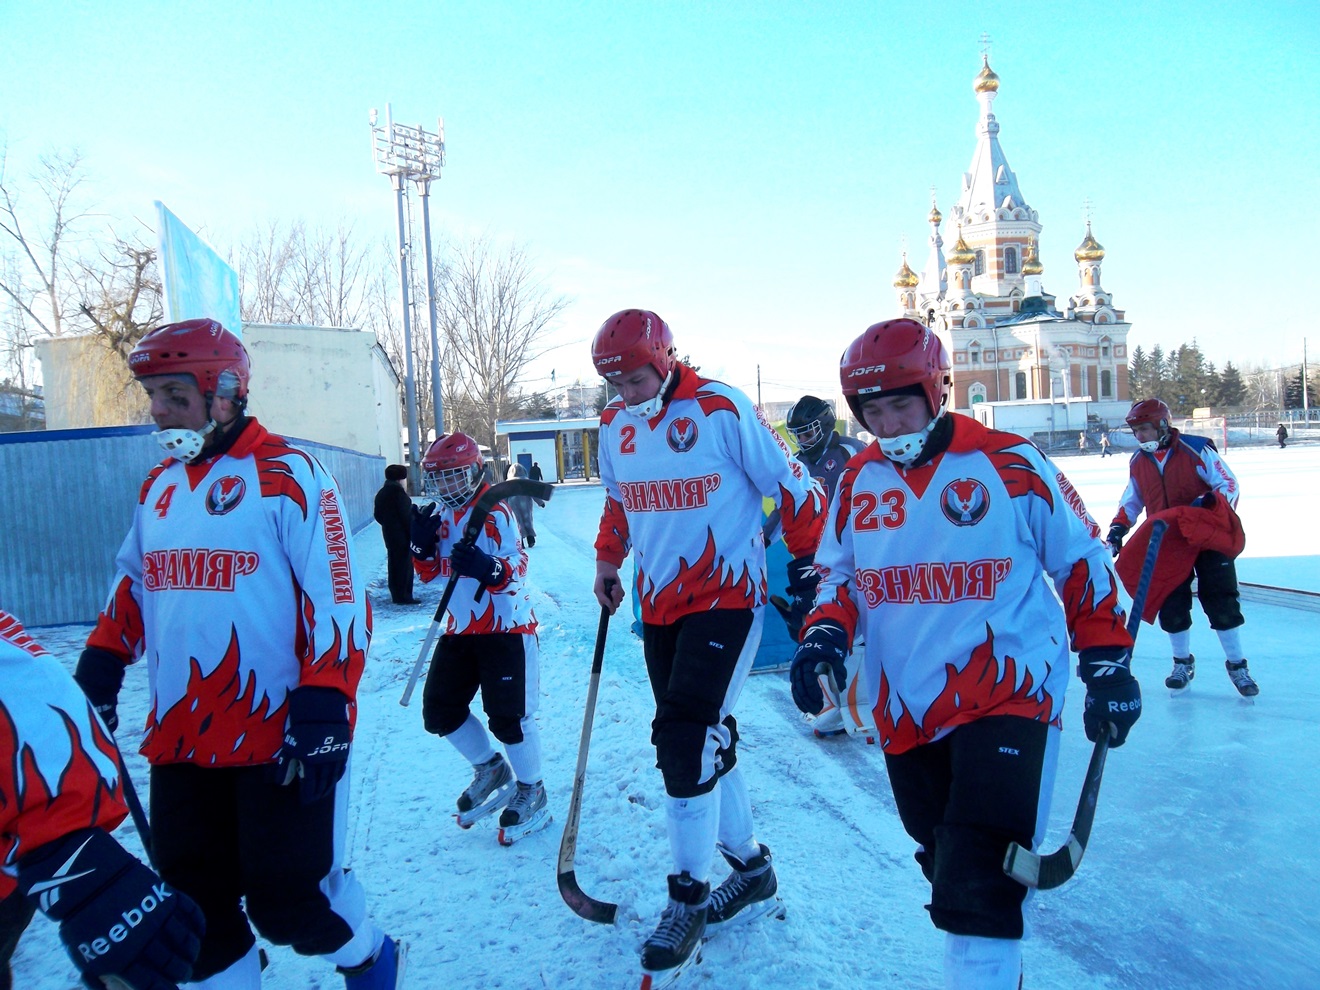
x: 751, y: 891
x: 525, y: 813
x: 1184, y: 669
x: 490, y: 790
x: 1238, y: 674
x: 676, y: 942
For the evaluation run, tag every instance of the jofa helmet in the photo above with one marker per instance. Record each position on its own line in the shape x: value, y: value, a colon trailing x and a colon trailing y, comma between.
x: 632, y: 339
x: 811, y: 421
x: 1156, y: 413
x: 453, y: 469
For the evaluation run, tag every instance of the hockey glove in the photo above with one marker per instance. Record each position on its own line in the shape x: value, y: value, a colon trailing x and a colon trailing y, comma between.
x: 100, y: 674
x: 1115, y: 538
x: 424, y: 532
x: 530, y: 541
x: 1112, y: 693
x: 803, y: 580
x: 1206, y: 501
x: 824, y: 642
x: 471, y: 561
x: 316, y: 742
x: 116, y: 916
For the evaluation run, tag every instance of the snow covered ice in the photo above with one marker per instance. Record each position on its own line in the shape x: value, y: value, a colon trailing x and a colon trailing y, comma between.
x: 1202, y: 869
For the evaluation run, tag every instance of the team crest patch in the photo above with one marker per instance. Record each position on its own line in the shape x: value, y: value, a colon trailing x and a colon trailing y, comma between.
x: 225, y: 495
x: 681, y: 435
x: 965, y: 501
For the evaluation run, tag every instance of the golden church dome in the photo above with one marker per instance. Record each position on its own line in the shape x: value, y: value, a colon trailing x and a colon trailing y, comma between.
x: 906, y: 277
x: 1089, y: 249
x: 961, y: 253
x: 1031, y: 263
x: 935, y: 216
x: 986, y: 80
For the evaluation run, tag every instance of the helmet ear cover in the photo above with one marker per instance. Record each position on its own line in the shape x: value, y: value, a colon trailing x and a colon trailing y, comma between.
x: 214, y: 358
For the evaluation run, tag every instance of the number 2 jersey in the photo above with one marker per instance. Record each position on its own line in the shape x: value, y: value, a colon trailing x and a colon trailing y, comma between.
x: 236, y: 585
x: 943, y: 566
x: 59, y: 771
x: 684, y: 491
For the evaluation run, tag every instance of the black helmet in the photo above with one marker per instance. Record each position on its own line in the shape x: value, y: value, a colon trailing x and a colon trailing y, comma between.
x: 811, y: 421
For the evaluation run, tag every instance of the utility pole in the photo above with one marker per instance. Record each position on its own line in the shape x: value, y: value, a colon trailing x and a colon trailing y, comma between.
x: 758, y: 387
x: 413, y: 154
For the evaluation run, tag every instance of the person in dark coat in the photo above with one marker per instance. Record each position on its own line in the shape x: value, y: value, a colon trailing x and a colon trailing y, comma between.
x: 535, y: 473
x: 1282, y: 434
x: 394, y: 513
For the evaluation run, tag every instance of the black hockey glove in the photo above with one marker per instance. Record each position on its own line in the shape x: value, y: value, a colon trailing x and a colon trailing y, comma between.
x: 316, y: 742
x: 116, y: 916
x: 1206, y: 501
x: 1115, y: 538
x: 824, y: 643
x: 100, y: 674
x: 803, y: 580
x: 471, y: 561
x: 530, y: 541
x: 1112, y: 693
x: 424, y: 532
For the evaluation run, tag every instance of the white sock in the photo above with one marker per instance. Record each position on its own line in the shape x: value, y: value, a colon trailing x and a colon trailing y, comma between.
x: 242, y: 975
x: 735, y: 828
x: 1181, y: 643
x: 975, y: 963
x: 1231, y: 642
x: 525, y: 756
x: 692, y: 824
x: 471, y: 741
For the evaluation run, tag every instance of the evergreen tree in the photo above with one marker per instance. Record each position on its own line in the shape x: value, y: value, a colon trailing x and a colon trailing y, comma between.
x: 1138, y: 373
x: 1292, y: 392
x: 1232, y: 391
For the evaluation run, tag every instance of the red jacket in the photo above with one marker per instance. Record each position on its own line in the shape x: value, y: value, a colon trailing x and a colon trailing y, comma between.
x: 1192, y: 529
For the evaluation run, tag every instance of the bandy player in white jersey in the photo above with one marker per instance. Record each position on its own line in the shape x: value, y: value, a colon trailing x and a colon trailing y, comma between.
x: 685, y: 462
x: 942, y: 542
x: 235, y: 587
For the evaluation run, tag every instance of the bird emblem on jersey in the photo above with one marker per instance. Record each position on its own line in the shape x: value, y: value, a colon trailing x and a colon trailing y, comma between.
x: 965, y: 502
x: 681, y: 435
x: 225, y: 495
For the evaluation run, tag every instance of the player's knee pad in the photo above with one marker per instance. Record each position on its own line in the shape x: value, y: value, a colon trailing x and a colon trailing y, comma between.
x: 443, y: 719
x: 506, y: 728
x: 971, y: 894
x: 691, y: 755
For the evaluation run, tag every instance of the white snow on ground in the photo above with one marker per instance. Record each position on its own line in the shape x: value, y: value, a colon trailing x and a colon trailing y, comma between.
x: 1202, y: 870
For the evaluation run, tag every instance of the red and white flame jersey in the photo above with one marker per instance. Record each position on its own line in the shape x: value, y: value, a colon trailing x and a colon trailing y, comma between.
x: 684, y: 491
x: 944, y: 566
x: 498, y: 608
x: 236, y: 583
x: 58, y: 766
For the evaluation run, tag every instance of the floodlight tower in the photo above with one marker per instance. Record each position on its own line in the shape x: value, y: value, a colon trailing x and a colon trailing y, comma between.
x: 413, y: 154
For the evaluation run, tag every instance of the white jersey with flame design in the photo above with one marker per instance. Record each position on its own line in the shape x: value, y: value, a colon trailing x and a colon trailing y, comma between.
x: 948, y: 563
x: 684, y: 492
x: 236, y: 584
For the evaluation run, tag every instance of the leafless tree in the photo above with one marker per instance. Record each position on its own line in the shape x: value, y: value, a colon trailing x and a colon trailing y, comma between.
x: 494, y: 312
x: 310, y: 275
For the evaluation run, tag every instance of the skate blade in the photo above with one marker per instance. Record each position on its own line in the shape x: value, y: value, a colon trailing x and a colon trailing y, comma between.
x: 1179, y: 692
x: 496, y: 802
x: 402, y: 949
x: 658, y: 979
x: 771, y: 906
x: 828, y: 733
x: 509, y: 834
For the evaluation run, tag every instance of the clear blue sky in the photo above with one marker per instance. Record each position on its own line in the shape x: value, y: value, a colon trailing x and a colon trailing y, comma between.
x: 748, y: 170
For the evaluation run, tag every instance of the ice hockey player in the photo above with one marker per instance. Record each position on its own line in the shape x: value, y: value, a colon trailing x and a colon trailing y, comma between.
x: 236, y: 586
x: 685, y: 462
x: 60, y: 797
x: 941, y: 537
x: 1171, y: 470
x: 489, y: 642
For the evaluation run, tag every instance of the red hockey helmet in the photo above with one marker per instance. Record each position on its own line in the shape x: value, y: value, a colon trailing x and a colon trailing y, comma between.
x: 1152, y: 411
x: 216, y: 359
x: 894, y: 355
x: 632, y: 339
x: 453, y: 469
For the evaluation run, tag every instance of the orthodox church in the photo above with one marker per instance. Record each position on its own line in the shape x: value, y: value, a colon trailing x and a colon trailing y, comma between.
x: 1010, y: 340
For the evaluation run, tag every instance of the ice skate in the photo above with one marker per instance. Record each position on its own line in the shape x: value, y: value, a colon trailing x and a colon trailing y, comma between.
x: 1184, y: 669
x: 385, y: 972
x: 526, y: 813
x: 490, y: 790
x: 751, y: 891
x: 676, y: 942
x: 1241, y: 678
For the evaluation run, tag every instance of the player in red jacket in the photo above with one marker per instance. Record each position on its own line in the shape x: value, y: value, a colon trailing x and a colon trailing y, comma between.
x: 1168, y: 471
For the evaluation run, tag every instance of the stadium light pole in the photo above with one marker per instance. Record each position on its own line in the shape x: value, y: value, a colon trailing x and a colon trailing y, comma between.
x: 406, y: 153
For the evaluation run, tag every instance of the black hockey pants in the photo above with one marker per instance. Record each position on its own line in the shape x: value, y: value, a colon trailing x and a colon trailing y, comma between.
x: 1217, y: 589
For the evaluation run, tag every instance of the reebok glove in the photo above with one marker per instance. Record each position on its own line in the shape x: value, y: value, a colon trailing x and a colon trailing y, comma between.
x: 1115, y: 538
x: 471, y: 561
x: 803, y: 580
x: 100, y: 674
x: 824, y: 642
x: 1112, y: 693
x: 424, y: 532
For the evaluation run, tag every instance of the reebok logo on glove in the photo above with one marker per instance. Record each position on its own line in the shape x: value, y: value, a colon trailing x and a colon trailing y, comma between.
x: 97, y: 947
x: 1125, y: 706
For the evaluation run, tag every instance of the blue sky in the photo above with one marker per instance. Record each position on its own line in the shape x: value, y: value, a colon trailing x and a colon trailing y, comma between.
x: 747, y: 170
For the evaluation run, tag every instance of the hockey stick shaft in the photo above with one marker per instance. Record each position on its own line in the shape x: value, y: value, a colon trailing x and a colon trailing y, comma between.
x: 1045, y: 872
x: 471, y: 530
x: 583, y: 904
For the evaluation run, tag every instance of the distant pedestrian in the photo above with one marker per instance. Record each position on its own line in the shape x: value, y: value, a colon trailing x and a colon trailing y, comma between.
x: 522, y: 507
x: 1081, y: 443
x: 535, y: 473
x: 1104, y: 444
x: 393, y: 511
x: 1282, y: 434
